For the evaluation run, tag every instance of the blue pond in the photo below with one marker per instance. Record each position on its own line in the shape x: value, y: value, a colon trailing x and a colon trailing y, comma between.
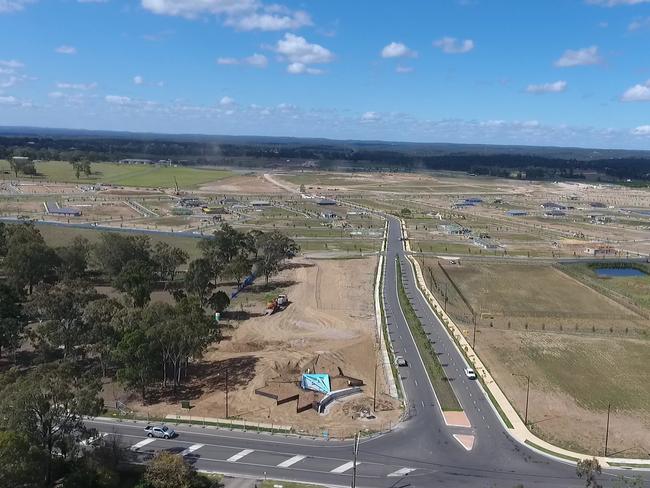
x: 618, y: 272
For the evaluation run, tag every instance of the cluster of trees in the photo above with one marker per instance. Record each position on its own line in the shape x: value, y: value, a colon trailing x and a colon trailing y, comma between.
x: 502, y: 161
x: 49, y: 300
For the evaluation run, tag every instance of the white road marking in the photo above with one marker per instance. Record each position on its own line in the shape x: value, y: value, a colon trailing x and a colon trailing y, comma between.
x: 142, y: 443
x: 401, y: 472
x: 422, y: 403
x: 343, y: 467
x: 416, y: 382
x: 290, y: 461
x: 239, y: 455
x: 191, y: 449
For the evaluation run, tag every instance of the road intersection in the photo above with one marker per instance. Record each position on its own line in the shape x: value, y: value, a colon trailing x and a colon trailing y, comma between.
x: 422, y: 451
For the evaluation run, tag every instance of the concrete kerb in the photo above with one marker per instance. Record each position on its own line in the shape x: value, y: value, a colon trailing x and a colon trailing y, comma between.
x: 388, y: 372
x: 519, y: 431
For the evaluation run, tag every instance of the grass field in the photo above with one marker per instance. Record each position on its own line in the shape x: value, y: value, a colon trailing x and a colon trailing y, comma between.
x: 150, y: 176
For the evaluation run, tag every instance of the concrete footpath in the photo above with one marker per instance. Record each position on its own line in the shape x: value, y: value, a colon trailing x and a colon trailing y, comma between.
x: 510, y: 419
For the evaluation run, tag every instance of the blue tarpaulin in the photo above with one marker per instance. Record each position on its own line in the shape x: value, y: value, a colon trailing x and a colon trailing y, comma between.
x: 316, y: 382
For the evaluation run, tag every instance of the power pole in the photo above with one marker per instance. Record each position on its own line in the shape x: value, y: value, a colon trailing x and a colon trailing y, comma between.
x: 354, y: 463
x: 527, y: 395
x: 474, y: 338
x: 609, y: 406
x: 374, y: 392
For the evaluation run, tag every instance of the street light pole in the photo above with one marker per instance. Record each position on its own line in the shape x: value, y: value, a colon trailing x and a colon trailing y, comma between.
x: 609, y: 406
x: 354, y: 463
x: 374, y: 392
x: 227, y: 416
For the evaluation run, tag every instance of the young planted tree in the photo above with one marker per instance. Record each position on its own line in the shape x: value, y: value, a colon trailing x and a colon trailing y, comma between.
x: 588, y: 470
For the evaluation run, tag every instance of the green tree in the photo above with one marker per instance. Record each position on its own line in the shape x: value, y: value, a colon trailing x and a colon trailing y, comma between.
x: 136, y: 279
x: 239, y: 268
x: 101, y: 335
x: 80, y: 166
x: 167, y: 470
x: 219, y: 301
x: 272, y: 249
x: 3, y: 239
x: 588, y: 470
x: 197, y: 279
x: 22, y: 465
x: 405, y: 212
x: 114, y: 251
x: 73, y: 259
x: 167, y: 259
x: 29, y: 260
x: 137, y: 358
x: 61, y: 307
x: 12, y: 319
x: 47, y: 405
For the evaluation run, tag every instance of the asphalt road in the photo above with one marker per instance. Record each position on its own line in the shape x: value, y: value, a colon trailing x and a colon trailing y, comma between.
x: 420, y: 452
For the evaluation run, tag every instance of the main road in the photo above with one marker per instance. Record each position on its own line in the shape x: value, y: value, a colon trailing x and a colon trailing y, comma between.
x: 419, y: 452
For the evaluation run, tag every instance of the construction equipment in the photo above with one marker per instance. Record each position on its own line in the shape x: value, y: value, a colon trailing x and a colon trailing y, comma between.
x: 277, y: 304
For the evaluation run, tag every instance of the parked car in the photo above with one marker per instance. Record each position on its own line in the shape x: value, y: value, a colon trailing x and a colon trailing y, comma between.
x: 469, y: 372
x: 159, y: 431
x: 401, y: 361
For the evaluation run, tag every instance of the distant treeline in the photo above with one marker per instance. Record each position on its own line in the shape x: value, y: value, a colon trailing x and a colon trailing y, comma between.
x: 359, y: 156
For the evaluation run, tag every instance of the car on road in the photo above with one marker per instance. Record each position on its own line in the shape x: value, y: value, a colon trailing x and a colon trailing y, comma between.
x: 469, y: 372
x: 401, y: 361
x: 161, y: 431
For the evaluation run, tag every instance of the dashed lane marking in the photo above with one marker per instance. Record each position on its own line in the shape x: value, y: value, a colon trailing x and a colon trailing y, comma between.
x: 343, y: 467
x: 191, y: 449
x: 239, y: 455
x: 401, y: 472
x: 291, y: 461
x: 142, y: 443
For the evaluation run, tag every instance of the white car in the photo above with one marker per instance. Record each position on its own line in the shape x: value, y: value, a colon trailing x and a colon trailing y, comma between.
x: 401, y: 361
x: 159, y: 431
x: 469, y: 372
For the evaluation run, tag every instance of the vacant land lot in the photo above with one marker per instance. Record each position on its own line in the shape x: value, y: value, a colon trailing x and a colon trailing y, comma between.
x: 581, y: 349
x: 141, y: 175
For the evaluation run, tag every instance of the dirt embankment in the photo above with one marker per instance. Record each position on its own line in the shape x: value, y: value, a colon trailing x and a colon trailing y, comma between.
x: 328, y: 325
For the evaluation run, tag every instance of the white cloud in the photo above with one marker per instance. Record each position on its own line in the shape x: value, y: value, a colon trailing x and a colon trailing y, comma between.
x: 256, y: 60
x: 370, y: 117
x: 301, y: 68
x: 92, y: 1
x: 9, y: 6
x: 138, y: 80
x: 397, y: 50
x: 77, y: 86
x: 9, y: 100
x: 227, y: 101
x: 117, y: 100
x: 555, y: 87
x: 637, y: 93
x: 12, y: 64
x: 296, y: 49
x: 642, y: 130
x: 403, y: 69
x: 579, y: 57
x: 243, y: 15
x: 66, y: 50
x: 614, y: 3
x: 451, y: 45
x: 639, y: 24
x: 270, y: 22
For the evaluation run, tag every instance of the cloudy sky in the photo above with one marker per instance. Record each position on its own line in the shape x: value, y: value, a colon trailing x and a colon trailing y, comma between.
x: 551, y: 72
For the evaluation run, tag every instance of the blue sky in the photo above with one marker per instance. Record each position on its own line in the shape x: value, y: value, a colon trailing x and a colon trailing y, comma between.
x: 551, y: 72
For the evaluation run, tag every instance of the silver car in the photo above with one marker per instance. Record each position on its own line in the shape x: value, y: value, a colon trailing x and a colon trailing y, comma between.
x: 159, y: 431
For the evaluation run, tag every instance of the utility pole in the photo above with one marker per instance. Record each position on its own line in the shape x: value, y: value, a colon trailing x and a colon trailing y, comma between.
x: 609, y: 406
x: 374, y: 392
x: 227, y: 416
x: 474, y: 338
x: 354, y: 463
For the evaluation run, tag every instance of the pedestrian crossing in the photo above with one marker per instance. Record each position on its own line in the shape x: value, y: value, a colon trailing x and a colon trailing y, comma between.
x: 271, y: 459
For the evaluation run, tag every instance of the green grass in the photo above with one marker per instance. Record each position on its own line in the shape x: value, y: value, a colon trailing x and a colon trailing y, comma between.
x: 553, y: 453
x: 148, y: 175
x: 57, y: 236
x: 444, y: 392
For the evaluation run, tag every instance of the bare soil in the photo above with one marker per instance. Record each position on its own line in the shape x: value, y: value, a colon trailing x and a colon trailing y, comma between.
x: 242, y: 184
x: 329, y: 324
